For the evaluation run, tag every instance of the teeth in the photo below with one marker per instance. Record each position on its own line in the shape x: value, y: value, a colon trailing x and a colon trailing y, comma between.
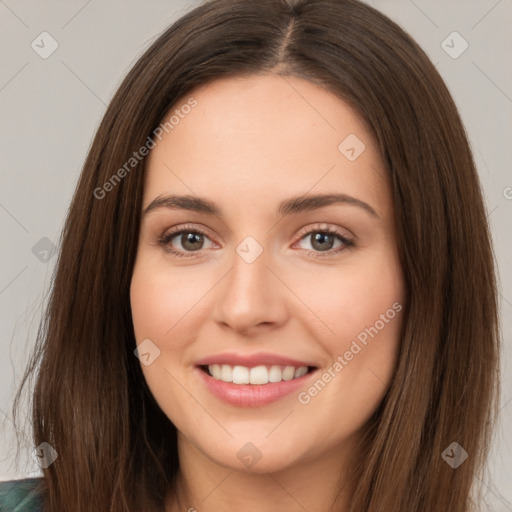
x: 275, y: 374
x: 215, y: 370
x: 299, y: 372
x: 226, y: 373
x: 240, y: 375
x: 288, y: 373
x: 256, y: 375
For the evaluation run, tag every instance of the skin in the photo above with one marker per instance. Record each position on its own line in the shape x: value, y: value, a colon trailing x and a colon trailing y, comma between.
x: 249, y: 144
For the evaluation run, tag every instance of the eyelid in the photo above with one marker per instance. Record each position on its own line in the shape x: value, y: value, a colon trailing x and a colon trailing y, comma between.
x: 324, y: 227
x: 189, y: 227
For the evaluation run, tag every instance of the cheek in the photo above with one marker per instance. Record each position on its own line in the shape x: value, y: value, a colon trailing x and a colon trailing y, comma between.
x: 362, y: 306
x: 352, y: 298
x: 163, y: 311
x: 161, y: 301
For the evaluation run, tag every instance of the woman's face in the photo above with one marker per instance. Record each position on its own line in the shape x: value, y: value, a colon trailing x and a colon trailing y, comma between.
x: 278, y: 257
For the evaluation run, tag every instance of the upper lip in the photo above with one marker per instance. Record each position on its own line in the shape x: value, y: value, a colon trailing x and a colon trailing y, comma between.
x: 251, y: 360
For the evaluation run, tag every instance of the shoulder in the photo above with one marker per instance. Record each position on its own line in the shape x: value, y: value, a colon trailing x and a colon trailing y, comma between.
x: 21, y: 495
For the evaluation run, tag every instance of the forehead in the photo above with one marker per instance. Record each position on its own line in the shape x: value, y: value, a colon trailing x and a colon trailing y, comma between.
x: 260, y: 139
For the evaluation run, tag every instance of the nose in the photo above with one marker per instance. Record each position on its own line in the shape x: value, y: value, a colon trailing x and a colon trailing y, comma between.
x: 251, y: 298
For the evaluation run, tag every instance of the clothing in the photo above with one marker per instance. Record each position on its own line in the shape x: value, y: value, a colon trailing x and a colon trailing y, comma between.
x: 20, y: 495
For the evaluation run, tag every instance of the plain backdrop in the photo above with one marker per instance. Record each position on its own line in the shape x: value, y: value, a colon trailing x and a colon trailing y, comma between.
x: 50, y: 108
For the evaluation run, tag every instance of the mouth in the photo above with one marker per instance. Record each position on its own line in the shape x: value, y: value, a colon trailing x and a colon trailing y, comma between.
x: 253, y: 380
x: 255, y: 375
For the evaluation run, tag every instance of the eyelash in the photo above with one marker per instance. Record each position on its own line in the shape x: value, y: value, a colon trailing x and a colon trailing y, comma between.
x: 165, y: 238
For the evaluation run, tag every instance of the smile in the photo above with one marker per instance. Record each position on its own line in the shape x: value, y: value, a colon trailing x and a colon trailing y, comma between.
x: 253, y: 380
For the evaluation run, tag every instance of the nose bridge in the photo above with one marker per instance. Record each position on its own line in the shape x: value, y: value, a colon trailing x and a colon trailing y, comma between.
x: 250, y: 295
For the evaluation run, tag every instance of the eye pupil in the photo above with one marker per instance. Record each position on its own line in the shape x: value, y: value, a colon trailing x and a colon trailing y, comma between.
x: 321, y: 239
x: 190, y: 238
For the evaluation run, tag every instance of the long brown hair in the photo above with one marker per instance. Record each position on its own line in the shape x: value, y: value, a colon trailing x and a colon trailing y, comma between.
x: 115, y: 446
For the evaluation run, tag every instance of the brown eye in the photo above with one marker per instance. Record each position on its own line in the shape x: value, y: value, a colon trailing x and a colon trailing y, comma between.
x: 322, y: 241
x: 326, y: 242
x: 185, y: 241
x: 190, y: 241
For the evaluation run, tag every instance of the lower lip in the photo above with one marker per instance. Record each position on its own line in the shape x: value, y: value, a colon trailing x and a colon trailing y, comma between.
x: 252, y: 395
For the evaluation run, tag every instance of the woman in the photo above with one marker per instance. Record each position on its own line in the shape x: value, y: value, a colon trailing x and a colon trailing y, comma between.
x: 276, y: 285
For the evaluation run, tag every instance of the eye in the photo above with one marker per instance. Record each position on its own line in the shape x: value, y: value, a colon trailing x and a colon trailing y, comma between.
x: 188, y: 240
x: 326, y: 241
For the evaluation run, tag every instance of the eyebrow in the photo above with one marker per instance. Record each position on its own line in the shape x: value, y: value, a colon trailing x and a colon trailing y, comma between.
x: 290, y: 206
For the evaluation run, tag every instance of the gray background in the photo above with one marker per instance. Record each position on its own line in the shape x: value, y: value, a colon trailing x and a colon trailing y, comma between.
x: 50, y: 108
